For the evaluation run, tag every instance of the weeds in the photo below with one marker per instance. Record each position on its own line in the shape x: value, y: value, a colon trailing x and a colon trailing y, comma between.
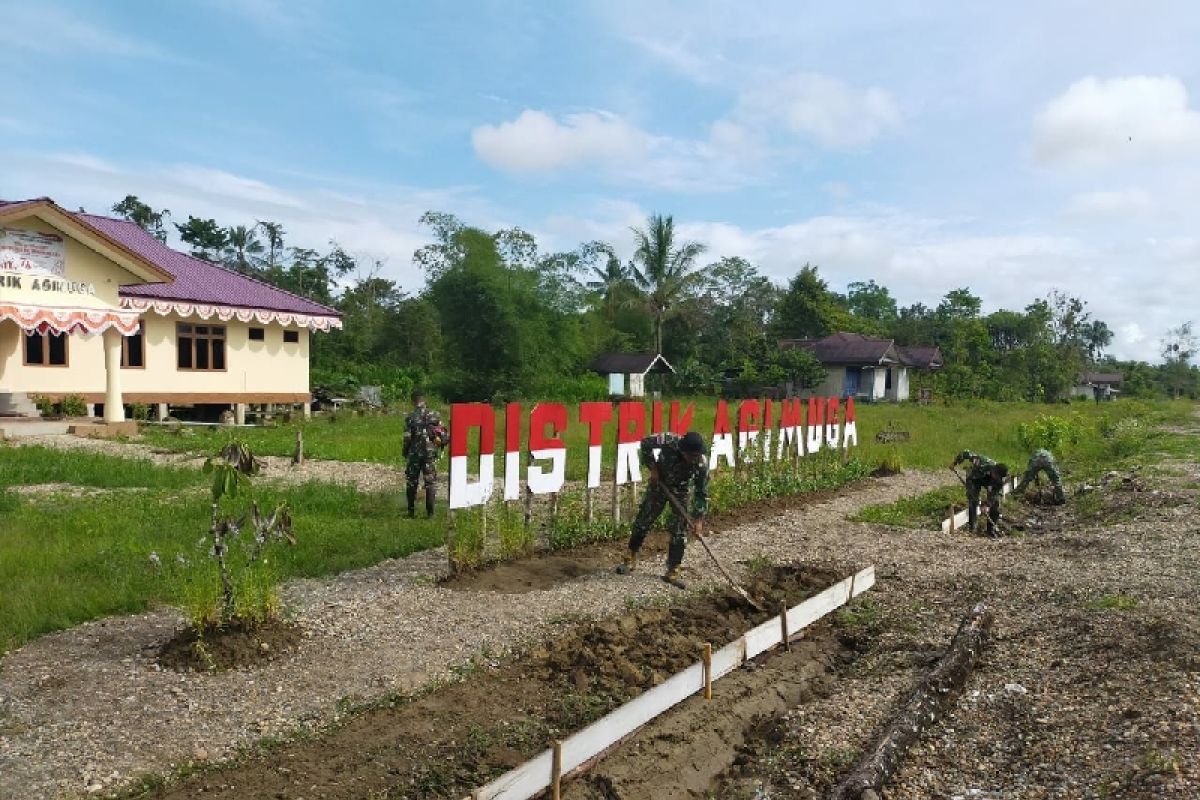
x: 1112, y: 602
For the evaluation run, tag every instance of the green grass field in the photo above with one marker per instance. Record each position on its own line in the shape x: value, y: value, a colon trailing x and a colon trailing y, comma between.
x: 73, y: 556
x: 68, y: 557
x: 936, y: 431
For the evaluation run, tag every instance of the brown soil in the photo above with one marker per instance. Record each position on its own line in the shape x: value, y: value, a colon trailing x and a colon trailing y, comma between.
x: 449, y: 741
x: 547, y: 570
x: 238, y: 645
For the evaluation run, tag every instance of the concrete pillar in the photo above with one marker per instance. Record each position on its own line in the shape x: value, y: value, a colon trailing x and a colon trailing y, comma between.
x: 307, y: 410
x: 91, y: 409
x: 114, y: 408
x: 239, y: 413
x: 163, y: 411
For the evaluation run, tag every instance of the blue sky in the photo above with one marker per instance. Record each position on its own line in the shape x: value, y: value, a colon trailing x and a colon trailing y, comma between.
x: 1009, y: 147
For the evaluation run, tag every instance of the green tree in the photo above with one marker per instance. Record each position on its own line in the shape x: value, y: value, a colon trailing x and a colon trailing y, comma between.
x: 206, y: 237
x: 663, y: 268
x: 142, y: 215
x: 274, y: 234
x: 1178, y: 348
x: 872, y: 302
x: 242, y: 249
x: 807, y: 309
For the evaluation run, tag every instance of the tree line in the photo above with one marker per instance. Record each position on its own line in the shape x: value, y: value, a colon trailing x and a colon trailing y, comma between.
x: 500, y: 318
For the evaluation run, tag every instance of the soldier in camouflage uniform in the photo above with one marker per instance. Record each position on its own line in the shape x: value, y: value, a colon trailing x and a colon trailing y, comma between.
x: 983, y: 474
x: 681, y: 463
x: 424, y: 438
x: 1043, y: 461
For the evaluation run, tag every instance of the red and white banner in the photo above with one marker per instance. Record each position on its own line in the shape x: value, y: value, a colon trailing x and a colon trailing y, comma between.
x: 767, y: 429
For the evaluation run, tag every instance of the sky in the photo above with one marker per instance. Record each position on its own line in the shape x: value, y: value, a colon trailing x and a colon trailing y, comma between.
x: 1012, y: 148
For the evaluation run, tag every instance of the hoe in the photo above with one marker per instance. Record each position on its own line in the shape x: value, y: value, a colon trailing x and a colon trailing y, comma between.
x: 679, y: 509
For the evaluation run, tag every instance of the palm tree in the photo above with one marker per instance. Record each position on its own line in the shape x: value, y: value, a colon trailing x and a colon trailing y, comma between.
x: 661, y: 269
x: 274, y: 233
x: 610, y: 279
x: 241, y: 244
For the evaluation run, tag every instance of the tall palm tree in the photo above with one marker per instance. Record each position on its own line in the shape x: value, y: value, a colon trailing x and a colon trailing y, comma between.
x: 662, y: 269
x: 274, y: 233
x: 610, y: 279
x: 241, y: 244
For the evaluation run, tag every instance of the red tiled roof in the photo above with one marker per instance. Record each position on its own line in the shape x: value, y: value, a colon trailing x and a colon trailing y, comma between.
x: 196, y: 280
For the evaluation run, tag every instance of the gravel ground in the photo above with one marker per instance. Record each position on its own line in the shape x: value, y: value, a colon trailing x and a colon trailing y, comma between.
x: 86, y: 710
x: 366, y: 476
x: 1074, y: 698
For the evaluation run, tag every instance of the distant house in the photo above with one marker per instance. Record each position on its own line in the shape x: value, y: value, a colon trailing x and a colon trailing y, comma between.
x: 618, y: 367
x: 1100, y: 385
x: 865, y: 367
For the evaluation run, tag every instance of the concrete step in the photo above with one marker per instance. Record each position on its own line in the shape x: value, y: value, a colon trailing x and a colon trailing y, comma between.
x: 17, y: 404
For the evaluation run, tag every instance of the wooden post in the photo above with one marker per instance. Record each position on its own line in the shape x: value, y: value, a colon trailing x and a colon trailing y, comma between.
x: 707, y: 671
x: 616, y: 499
x: 483, y: 528
x: 787, y: 644
x: 298, y: 455
x: 556, y: 771
x: 450, y: 541
x: 587, y: 505
x: 953, y: 528
x: 553, y: 510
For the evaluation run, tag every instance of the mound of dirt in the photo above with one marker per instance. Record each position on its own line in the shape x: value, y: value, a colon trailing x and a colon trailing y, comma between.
x: 241, y: 644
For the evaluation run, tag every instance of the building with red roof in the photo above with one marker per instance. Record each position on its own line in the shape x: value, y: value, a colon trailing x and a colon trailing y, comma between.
x: 97, y: 307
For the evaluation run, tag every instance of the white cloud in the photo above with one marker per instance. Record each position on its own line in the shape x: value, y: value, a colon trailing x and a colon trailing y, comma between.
x: 1132, y: 334
x: 218, y: 183
x: 537, y: 142
x: 1119, y: 204
x: 1098, y: 123
x: 824, y: 108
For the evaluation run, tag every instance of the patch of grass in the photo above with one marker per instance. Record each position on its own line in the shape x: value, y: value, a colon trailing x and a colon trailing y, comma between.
x: 864, y: 614
x: 925, y: 511
x: 1112, y: 602
x: 66, y: 560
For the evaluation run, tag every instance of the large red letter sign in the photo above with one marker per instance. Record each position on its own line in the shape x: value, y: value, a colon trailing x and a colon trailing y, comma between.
x: 631, y: 429
x: 465, y: 417
x: 595, y: 416
x: 539, y: 480
x: 722, y: 440
x: 512, y: 452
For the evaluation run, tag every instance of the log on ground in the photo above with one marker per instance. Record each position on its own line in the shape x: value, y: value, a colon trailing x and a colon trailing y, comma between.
x: 933, y: 695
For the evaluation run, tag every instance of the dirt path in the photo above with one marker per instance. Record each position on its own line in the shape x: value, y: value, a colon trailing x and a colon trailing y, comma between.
x: 88, y: 709
x: 364, y: 475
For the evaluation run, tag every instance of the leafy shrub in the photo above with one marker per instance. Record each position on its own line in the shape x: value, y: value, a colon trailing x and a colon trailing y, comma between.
x: 73, y: 405
x: 45, y: 405
x: 1050, y: 432
x: 139, y: 412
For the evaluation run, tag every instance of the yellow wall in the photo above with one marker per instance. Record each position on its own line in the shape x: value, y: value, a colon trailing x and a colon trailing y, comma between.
x: 266, y: 368
x: 82, y: 264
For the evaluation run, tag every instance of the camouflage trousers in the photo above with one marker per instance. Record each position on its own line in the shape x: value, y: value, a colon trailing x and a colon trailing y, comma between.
x: 649, y: 511
x: 974, y: 489
x: 1037, y: 465
x: 417, y: 468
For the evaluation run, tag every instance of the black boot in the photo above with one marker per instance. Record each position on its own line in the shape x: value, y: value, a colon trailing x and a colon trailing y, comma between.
x: 412, y: 501
x: 430, y: 493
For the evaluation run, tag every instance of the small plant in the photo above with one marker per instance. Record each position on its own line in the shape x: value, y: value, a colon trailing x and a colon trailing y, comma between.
x: 73, y: 405
x: 45, y: 405
x: 231, y: 468
x: 1050, y: 432
x: 1112, y: 602
x: 891, y: 463
x: 140, y: 412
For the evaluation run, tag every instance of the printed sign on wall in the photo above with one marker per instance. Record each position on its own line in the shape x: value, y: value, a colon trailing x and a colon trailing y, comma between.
x: 32, y: 253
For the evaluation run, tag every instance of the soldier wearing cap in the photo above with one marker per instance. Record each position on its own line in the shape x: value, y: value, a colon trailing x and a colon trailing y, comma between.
x: 679, y: 465
x: 424, y: 437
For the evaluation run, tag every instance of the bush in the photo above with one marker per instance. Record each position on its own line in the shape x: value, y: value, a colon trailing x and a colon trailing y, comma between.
x: 45, y: 405
x: 1052, y: 433
x: 73, y: 405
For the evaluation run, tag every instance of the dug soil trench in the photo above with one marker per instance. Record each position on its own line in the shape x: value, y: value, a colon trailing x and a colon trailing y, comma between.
x: 447, y: 742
